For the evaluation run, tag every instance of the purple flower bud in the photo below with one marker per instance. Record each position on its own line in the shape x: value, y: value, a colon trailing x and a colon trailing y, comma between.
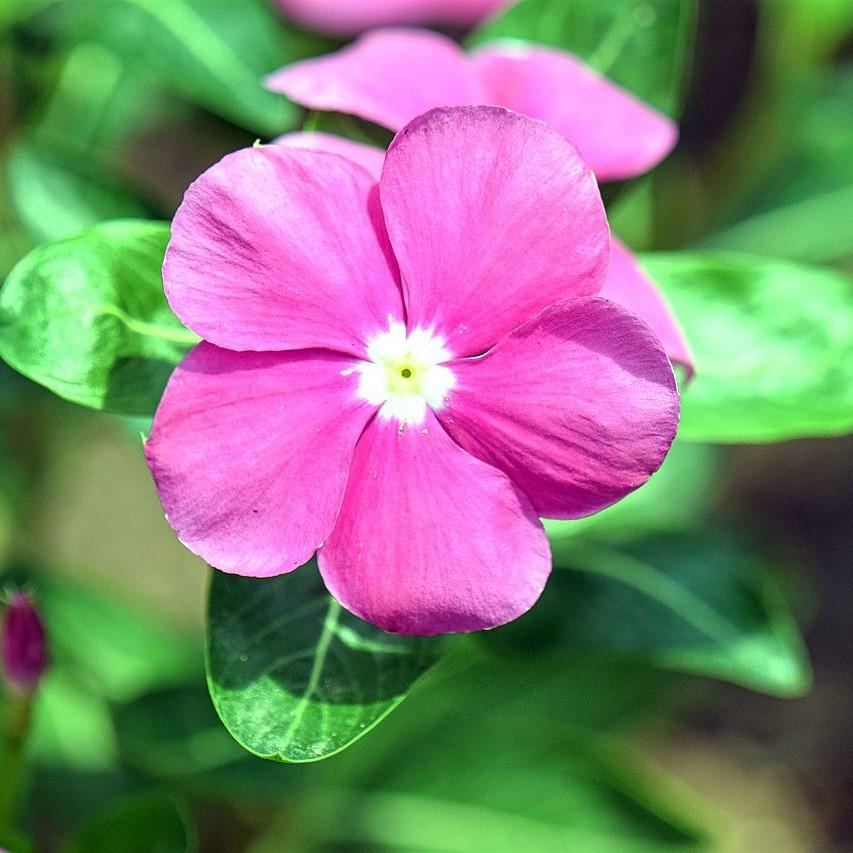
x: 23, y: 642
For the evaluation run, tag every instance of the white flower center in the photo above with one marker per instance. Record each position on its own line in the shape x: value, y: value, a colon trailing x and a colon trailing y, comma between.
x: 405, y: 374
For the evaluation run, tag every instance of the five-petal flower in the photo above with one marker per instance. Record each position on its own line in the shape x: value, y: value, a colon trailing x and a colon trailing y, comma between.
x: 403, y: 377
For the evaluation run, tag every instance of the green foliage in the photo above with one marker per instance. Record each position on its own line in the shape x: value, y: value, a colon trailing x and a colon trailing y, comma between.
x: 54, y: 198
x: 772, y: 343
x: 212, y: 52
x: 640, y: 44
x: 704, y: 604
x: 151, y: 822
x: 293, y: 676
x: 86, y: 317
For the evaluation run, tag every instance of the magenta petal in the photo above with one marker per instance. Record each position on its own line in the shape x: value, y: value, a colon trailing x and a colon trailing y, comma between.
x: 578, y: 406
x: 430, y: 539
x: 618, y: 135
x: 348, y: 17
x: 250, y: 453
x: 367, y: 156
x: 386, y: 76
x: 628, y: 285
x: 278, y: 248
x: 488, y: 238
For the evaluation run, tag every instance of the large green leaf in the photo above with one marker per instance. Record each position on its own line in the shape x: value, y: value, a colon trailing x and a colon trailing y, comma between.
x: 55, y: 197
x: 151, y: 822
x: 86, y: 317
x: 213, y: 52
x: 293, y: 676
x: 772, y: 343
x: 704, y: 604
x: 640, y: 44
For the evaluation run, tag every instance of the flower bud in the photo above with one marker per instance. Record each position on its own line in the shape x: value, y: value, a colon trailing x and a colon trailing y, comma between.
x: 23, y: 642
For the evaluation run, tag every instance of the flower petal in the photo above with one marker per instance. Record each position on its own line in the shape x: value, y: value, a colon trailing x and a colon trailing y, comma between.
x: 277, y: 248
x: 369, y: 157
x: 492, y: 217
x: 430, y: 539
x: 345, y: 17
x: 578, y: 406
x: 618, y: 135
x: 250, y: 453
x: 387, y: 76
x: 628, y: 285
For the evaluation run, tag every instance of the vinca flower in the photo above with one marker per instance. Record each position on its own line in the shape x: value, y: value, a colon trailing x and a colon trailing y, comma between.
x: 23, y: 643
x: 346, y: 17
x: 403, y: 377
x: 391, y: 75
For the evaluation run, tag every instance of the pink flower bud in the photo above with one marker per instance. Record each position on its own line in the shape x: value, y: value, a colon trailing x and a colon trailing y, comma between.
x: 23, y: 642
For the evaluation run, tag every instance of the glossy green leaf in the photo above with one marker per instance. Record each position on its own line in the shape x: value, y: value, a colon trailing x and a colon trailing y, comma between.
x: 151, y: 822
x: 293, y: 676
x: 86, y: 317
x: 213, y: 52
x: 703, y: 603
x: 772, y: 343
x: 640, y: 44
x: 55, y: 197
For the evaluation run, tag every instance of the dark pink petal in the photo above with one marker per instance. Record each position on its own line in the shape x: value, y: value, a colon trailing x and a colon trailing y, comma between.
x: 618, y: 135
x: 492, y: 217
x: 430, y: 539
x: 628, y: 285
x: 348, y: 17
x: 250, y: 453
x: 578, y: 406
x: 23, y: 643
x: 278, y: 248
x: 367, y: 156
x: 387, y: 77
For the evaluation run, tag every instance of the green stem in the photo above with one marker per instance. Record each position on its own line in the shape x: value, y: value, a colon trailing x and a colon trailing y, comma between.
x: 16, y: 724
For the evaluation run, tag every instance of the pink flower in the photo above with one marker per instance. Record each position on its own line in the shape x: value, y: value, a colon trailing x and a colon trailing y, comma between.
x: 390, y: 76
x: 348, y: 17
x: 403, y: 377
x: 23, y: 643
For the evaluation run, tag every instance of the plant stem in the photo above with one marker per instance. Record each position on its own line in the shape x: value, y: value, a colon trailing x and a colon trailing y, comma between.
x: 16, y: 723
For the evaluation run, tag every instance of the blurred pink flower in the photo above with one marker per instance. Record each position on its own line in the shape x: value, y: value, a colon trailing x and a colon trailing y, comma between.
x: 23, y: 642
x: 404, y: 376
x: 390, y: 76
x: 346, y: 17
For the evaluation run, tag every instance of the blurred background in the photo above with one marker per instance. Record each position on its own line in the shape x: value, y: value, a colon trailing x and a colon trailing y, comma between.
x: 535, y: 737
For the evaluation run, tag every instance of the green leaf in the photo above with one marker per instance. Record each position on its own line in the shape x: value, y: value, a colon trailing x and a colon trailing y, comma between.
x: 772, y: 343
x: 640, y: 44
x: 213, y: 52
x: 704, y: 604
x: 56, y: 198
x: 293, y: 676
x: 142, y: 823
x: 86, y: 317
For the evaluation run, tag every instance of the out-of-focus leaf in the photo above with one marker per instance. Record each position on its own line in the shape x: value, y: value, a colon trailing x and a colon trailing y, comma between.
x: 13, y: 11
x: 55, y: 199
x: 675, y: 498
x: 296, y: 678
x: 213, y: 52
x: 194, y: 752
x: 772, y: 343
x: 14, y: 842
x: 151, y: 822
x: 640, y: 44
x: 86, y: 317
x: 802, y: 211
x: 113, y: 648
x: 703, y: 604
